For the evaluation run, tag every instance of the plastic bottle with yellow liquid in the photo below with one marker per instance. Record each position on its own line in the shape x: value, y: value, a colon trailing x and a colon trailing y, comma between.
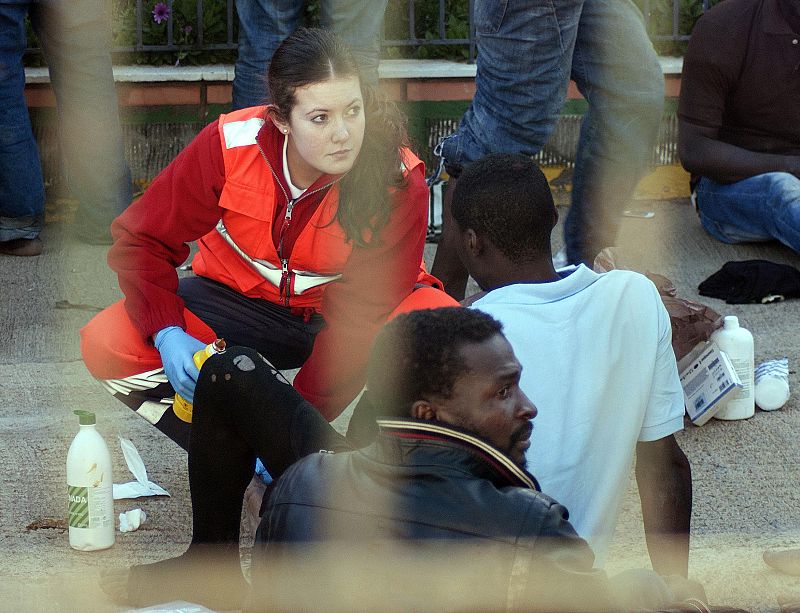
x: 181, y: 406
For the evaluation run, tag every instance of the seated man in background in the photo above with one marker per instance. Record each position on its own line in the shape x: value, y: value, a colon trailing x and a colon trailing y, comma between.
x: 598, y: 362
x: 739, y: 120
x: 348, y: 529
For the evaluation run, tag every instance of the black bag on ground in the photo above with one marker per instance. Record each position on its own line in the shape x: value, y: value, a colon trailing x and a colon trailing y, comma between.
x: 752, y: 281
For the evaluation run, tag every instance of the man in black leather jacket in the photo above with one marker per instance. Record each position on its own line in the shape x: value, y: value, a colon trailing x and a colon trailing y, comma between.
x: 440, y: 498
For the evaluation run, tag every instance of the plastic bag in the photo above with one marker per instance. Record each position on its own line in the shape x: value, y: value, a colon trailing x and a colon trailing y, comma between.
x: 692, y: 322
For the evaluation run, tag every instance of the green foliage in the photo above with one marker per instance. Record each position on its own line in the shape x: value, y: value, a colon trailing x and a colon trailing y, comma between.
x: 426, y: 27
x: 660, y: 22
x: 312, y: 13
x: 32, y: 59
x: 185, y: 33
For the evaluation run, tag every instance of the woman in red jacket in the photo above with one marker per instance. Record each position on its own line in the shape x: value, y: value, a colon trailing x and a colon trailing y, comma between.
x: 310, y: 219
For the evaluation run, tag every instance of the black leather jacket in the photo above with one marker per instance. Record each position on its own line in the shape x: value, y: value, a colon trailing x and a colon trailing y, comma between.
x: 425, y: 512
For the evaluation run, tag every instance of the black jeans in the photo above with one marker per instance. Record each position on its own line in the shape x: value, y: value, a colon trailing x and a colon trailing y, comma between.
x: 243, y: 409
x: 286, y: 340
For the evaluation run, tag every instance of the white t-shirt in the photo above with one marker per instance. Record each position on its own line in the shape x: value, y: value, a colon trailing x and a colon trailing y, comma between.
x: 295, y: 191
x: 597, y: 359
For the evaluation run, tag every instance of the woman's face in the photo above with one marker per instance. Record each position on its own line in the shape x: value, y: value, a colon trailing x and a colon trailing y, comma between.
x: 325, y: 129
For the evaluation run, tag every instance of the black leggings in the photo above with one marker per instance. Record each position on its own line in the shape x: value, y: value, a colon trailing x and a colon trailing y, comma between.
x: 286, y: 340
x: 243, y: 409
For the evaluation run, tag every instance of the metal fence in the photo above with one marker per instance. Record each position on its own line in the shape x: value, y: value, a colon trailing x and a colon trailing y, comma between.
x: 440, y: 33
x: 186, y: 25
x: 561, y: 149
x: 416, y: 28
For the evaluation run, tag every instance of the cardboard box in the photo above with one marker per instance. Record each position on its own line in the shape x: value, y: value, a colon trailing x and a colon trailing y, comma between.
x: 708, y: 378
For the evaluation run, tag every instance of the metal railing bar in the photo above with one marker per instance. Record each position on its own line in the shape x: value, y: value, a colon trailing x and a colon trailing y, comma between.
x: 200, y: 25
x: 170, y: 26
x: 230, y: 22
x: 676, y: 19
x: 147, y: 48
x: 472, y: 47
x: 411, y: 22
x: 139, y: 35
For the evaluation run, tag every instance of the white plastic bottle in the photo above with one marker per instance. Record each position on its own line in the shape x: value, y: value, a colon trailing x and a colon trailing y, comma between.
x: 737, y: 343
x: 89, y: 488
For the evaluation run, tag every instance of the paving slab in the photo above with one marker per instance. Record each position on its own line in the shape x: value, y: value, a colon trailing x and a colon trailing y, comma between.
x: 746, y: 494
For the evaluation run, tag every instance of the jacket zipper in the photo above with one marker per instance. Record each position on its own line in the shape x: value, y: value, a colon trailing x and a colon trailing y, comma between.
x: 285, y: 284
x: 284, y: 288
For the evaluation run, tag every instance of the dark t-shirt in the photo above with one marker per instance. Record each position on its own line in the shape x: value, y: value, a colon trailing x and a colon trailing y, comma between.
x: 741, y: 75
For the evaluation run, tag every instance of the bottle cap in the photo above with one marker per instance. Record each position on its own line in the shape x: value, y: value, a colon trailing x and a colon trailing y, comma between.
x: 731, y: 322
x: 86, y: 418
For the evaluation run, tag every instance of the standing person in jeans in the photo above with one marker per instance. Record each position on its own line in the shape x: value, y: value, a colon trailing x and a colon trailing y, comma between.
x: 739, y: 120
x: 527, y: 53
x: 74, y: 38
x: 263, y: 24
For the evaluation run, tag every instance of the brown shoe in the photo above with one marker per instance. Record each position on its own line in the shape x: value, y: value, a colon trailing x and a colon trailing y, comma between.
x: 22, y: 247
x: 787, y: 561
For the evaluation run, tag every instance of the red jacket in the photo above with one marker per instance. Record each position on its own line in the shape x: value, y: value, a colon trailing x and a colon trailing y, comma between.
x: 183, y: 205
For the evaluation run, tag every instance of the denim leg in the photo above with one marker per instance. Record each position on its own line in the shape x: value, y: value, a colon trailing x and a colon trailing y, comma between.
x: 359, y: 23
x: 263, y: 25
x: 616, y: 69
x: 75, y: 38
x: 21, y: 186
x: 761, y: 208
x: 524, y: 60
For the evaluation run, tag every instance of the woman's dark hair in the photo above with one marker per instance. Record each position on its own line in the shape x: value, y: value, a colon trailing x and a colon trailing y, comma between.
x: 312, y: 55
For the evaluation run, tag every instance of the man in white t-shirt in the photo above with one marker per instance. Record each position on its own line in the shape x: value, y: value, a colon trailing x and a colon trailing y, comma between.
x: 596, y: 351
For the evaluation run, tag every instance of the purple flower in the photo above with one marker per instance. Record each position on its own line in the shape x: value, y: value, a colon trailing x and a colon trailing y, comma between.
x: 187, y: 30
x: 160, y: 12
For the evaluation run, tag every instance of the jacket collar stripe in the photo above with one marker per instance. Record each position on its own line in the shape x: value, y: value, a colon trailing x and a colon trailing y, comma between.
x: 483, y: 456
x: 495, y: 457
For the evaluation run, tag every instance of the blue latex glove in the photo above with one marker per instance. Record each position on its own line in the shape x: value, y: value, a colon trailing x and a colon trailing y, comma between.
x: 262, y: 472
x: 177, y: 351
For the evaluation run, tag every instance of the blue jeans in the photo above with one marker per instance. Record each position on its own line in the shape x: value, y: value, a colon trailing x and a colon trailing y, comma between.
x: 74, y: 37
x: 264, y: 24
x: 21, y: 185
x: 528, y: 50
x: 760, y: 208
